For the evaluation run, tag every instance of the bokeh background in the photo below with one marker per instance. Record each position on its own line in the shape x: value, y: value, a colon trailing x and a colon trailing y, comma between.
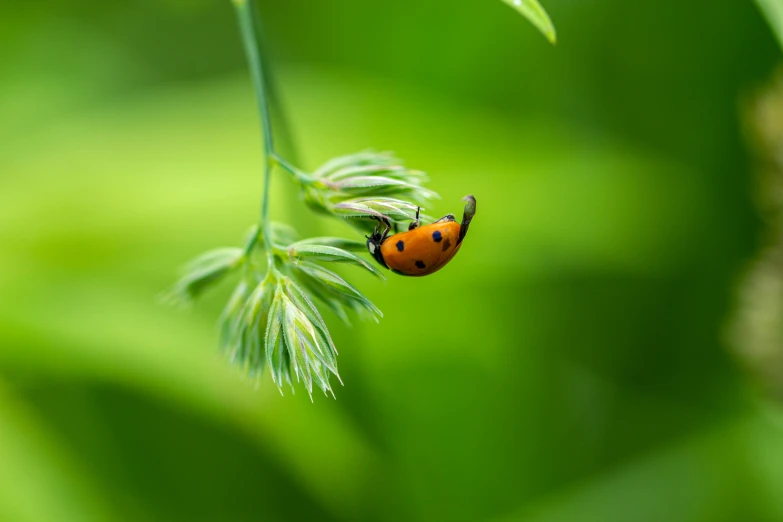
x: 571, y: 364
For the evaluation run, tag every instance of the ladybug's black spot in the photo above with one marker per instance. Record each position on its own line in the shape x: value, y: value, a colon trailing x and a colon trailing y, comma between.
x: 446, y: 245
x: 436, y: 236
x: 421, y: 264
x: 400, y: 245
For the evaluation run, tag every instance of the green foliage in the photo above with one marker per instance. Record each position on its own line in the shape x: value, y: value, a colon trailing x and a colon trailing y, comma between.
x: 315, y: 252
x: 366, y: 185
x: 203, y: 271
x: 535, y: 13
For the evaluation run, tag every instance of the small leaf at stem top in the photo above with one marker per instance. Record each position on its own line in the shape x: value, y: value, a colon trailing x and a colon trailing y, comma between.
x: 773, y: 12
x: 535, y: 13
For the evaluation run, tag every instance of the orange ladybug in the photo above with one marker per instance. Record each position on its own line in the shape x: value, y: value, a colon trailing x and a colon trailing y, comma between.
x: 421, y: 250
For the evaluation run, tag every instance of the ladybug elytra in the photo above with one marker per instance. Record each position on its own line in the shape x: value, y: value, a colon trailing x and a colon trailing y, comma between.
x: 421, y: 250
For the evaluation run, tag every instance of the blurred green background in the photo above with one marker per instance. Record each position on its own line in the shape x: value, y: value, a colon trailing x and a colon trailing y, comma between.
x: 569, y: 365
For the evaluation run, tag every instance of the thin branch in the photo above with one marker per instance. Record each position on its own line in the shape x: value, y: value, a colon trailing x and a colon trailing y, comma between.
x: 299, y: 176
x: 252, y: 43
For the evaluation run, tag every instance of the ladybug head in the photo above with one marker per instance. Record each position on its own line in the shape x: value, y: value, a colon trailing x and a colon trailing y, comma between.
x: 374, y: 243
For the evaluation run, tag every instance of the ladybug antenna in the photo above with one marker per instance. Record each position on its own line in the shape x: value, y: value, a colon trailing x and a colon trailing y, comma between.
x: 467, y: 216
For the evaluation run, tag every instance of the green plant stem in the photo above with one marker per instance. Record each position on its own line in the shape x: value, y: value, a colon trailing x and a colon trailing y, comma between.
x: 252, y: 43
x: 299, y: 176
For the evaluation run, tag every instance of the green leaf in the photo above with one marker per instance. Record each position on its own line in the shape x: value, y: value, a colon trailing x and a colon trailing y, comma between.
x: 255, y: 359
x: 297, y: 331
x: 398, y: 172
x: 536, y: 14
x: 396, y: 210
x: 357, y: 183
x: 283, y: 233
x: 298, y: 296
x: 773, y: 12
x: 323, y: 294
x: 358, y: 159
x: 337, y: 242
x: 332, y: 254
x: 319, y: 370
x: 251, y: 322
x: 384, y: 187
x: 231, y: 316
x: 363, y: 170
x: 217, y: 256
x: 336, y: 285
x: 355, y: 209
x: 204, y: 271
x: 273, y: 345
x: 378, y: 207
x: 257, y: 301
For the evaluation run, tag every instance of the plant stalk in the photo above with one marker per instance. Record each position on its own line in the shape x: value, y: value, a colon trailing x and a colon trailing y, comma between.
x: 252, y: 43
x: 300, y: 177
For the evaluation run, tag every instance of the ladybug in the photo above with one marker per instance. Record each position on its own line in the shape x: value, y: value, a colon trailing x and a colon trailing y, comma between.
x: 421, y: 250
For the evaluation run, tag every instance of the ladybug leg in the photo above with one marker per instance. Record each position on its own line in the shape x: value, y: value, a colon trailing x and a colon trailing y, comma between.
x: 415, y: 223
x: 386, y: 230
x: 383, y: 220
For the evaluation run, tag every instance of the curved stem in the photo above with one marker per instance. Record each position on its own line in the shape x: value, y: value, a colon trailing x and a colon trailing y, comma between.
x: 252, y: 43
x: 299, y: 176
